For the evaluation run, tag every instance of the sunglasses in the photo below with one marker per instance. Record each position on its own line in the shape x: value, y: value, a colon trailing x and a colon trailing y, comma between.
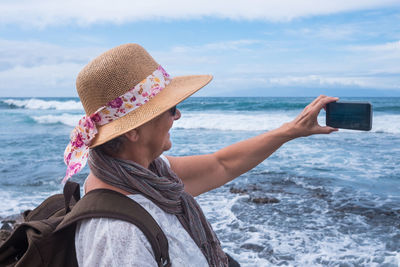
x: 173, y: 111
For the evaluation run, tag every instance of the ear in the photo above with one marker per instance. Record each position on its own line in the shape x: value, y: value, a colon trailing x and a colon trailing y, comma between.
x: 132, y: 135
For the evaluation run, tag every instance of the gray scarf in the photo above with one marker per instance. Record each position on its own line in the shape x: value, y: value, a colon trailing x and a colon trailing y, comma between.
x: 161, y: 185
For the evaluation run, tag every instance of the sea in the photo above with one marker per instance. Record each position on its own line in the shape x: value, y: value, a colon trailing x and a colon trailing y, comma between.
x: 323, y: 200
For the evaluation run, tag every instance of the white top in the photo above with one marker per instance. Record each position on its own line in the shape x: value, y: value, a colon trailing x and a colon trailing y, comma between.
x: 109, y: 242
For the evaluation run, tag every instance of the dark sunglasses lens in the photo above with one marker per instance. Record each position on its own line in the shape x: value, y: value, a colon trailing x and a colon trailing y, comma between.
x: 173, y: 111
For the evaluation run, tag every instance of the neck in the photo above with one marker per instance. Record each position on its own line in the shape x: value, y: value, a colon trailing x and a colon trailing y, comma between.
x: 138, y: 154
x: 132, y: 153
x: 92, y: 183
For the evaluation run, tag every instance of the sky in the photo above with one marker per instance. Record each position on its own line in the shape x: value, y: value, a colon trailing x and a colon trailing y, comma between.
x: 252, y: 48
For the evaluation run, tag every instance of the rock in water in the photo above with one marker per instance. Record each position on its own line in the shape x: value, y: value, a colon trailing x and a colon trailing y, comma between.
x: 4, y: 234
x: 265, y: 200
x: 237, y: 190
x: 6, y: 226
x: 254, y: 247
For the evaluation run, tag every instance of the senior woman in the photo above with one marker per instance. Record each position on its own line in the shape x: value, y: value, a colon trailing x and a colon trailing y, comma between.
x: 130, y: 104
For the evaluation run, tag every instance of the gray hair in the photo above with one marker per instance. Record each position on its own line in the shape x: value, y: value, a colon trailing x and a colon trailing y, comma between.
x: 112, y: 147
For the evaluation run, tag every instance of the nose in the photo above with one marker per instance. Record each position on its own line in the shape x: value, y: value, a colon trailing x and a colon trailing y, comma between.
x: 177, y: 115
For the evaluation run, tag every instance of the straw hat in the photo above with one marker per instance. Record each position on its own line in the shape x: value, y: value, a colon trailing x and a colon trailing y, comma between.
x: 116, y: 71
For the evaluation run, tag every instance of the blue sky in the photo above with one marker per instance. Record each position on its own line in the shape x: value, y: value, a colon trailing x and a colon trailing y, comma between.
x: 253, y: 48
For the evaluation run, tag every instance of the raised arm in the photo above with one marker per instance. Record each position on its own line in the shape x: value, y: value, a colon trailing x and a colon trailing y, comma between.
x: 205, y: 172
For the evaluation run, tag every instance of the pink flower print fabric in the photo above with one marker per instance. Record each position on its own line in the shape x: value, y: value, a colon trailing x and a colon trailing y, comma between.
x: 116, y: 103
x: 77, y: 151
x: 135, y: 97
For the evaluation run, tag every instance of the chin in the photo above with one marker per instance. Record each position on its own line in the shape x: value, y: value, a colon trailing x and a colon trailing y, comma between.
x: 167, y: 146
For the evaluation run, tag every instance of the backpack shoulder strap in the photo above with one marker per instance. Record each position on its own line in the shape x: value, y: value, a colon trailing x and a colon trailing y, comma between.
x: 104, y: 203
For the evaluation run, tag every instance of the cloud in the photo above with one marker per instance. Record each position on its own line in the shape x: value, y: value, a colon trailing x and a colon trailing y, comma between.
x: 42, y: 69
x: 383, y: 57
x: 34, y: 53
x: 44, y: 80
x: 317, y: 80
x: 234, y: 45
x: 386, y: 47
x: 253, y: 67
x: 328, y: 32
x: 50, y: 12
x: 367, y: 81
x: 248, y: 81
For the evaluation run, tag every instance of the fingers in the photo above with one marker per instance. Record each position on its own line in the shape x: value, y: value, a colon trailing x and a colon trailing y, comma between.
x: 306, y: 123
x: 325, y: 100
x: 317, y: 100
x: 320, y: 102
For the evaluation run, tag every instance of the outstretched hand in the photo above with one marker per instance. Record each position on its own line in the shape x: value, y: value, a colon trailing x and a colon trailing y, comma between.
x: 205, y: 172
x: 307, y: 123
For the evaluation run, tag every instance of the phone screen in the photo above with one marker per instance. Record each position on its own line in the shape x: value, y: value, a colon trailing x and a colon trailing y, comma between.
x: 349, y: 115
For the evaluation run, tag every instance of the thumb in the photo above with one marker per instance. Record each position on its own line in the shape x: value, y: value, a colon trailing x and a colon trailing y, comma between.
x: 327, y: 130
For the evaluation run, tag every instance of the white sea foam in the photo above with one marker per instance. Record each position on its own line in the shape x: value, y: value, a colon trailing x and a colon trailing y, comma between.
x: 246, y: 121
x: 386, y: 124
x: 317, y: 241
x: 65, y: 118
x: 252, y: 121
x: 45, y: 104
x: 218, y: 209
x: 13, y: 202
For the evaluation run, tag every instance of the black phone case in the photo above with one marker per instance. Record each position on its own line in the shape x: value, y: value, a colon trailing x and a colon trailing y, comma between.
x: 349, y: 115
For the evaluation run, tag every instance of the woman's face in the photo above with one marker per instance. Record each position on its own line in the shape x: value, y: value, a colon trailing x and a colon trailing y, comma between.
x: 154, y: 135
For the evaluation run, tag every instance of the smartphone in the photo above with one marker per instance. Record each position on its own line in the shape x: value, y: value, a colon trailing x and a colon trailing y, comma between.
x: 349, y: 115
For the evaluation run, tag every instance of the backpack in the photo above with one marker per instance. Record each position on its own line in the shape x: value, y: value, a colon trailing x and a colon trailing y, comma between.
x: 47, y: 237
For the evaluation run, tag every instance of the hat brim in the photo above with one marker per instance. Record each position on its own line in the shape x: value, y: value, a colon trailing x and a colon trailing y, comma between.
x: 176, y: 91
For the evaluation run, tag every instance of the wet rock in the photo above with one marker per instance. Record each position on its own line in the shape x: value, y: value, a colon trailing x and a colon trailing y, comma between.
x: 4, y: 234
x: 286, y: 258
x: 267, y: 252
x: 248, y: 189
x: 379, y: 260
x: 321, y: 195
x: 6, y: 226
x: 238, y: 190
x: 11, y: 222
x: 253, y: 187
x: 13, y: 217
x: 252, y: 229
x: 264, y: 200
x: 393, y: 244
x: 253, y: 247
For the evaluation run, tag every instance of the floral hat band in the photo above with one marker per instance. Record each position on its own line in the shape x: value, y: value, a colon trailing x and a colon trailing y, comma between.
x: 77, y: 151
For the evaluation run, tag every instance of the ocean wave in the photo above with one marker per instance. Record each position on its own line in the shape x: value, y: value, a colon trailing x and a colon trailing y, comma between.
x: 234, y: 122
x: 65, y: 118
x: 268, y: 121
x: 307, y: 228
x: 390, y: 109
x: 203, y: 104
x: 35, y: 103
x: 13, y: 202
x: 386, y: 124
x: 243, y: 104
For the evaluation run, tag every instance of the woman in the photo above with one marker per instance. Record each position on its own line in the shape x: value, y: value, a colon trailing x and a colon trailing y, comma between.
x: 130, y: 102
